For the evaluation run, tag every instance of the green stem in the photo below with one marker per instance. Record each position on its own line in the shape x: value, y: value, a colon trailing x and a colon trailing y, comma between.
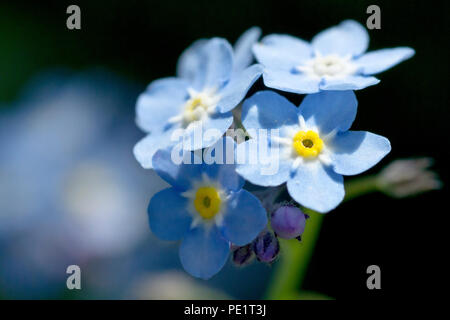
x: 295, y: 257
x: 361, y: 186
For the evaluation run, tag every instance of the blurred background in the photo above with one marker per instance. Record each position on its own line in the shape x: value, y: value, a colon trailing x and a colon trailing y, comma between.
x: 71, y: 191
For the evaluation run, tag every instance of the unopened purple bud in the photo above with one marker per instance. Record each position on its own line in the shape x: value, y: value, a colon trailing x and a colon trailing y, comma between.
x: 243, y: 255
x: 266, y: 246
x: 288, y: 222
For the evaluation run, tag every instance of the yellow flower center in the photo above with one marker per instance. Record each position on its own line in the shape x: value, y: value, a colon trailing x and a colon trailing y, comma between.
x: 307, y: 143
x: 207, y: 202
x: 193, y: 108
x: 194, y: 103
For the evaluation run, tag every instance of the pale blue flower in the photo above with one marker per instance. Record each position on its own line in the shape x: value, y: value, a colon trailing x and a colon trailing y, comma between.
x: 313, y: 147
x: 206, y: 208
x: 243, y: 55
x: 334, y: 60
x: 212, y: 80
x: 69, y: 191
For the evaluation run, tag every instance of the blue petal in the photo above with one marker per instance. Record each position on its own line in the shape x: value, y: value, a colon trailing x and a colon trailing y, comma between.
x: 202, y: 134
x: 179, y: 175
x: 316, y: 187
x: 171, y: 86
x: 238, y: 87
x: 190, y: 61
x: 357, y: 151
x: 220, y: 164
x: 216, y: 65
x: 244, y: 219
x: 163, y: 99
x: 260, y: 164
x: 243, y: 55
x: 348, y: 83
x: 330, y: 110
x: 169, y: 219
x: 288, y: 81
x: 268, y: 110
x: 203, y: 252
x: 145, y: 149
x: 349, y: 37
x: 377, y: 61
x: 283, y: 52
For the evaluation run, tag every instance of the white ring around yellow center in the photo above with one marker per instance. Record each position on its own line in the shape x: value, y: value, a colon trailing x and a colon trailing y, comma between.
x: 307, y: 144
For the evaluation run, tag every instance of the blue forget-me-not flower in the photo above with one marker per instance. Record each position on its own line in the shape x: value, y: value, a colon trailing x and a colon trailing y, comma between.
x: 211, y: 80
x: 334, y: 60
x: 69, y: 194
x: 206, y: 208
x: 313, y: 148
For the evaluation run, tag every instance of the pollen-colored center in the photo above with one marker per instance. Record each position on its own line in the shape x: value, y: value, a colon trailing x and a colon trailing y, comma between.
x: 307, y: 143
x: 193, y: 104
x: 207, y: 202
x: 194, y: 108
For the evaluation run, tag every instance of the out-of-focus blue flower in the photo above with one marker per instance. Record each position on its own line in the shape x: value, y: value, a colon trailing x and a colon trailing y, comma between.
x: 69, y: 193
x: 313, y: 147
x: 334, y: 60
x: 243, y: 55
x: 48, y: 129
x: 206, y: 208
x: 209, y: 85
x: 59, y: 165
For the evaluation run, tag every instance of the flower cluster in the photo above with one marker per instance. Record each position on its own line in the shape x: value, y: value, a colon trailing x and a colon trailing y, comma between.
x: 307, y: 148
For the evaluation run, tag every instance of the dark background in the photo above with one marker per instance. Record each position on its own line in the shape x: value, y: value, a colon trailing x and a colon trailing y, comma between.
x: 142, y: 40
